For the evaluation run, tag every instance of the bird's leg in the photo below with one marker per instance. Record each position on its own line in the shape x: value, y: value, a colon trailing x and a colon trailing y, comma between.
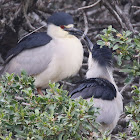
x: 40, y: 91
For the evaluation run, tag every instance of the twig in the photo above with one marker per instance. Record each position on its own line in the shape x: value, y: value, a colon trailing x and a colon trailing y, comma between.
x: 23, y: 103
x: 96, y: 11
x: 127, y: 8
x: 101, y: 21
x: 123, y: 89
x: 67, y: 83
x: 86, y: 26
x: 89, y: 6
x: 114, y: 13
x: 125, y: 18
x: 31, y: 32
x: 136, y: 24
x: 26, y: 6
x: 137, y: 7
x: 93, y: 126
x: 136, y: 13
x: 38, y: 18
x: 19, y: 98
x: 123, y: 115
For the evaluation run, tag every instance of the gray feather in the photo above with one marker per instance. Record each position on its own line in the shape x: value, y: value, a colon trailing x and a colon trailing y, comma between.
x: 33, y: 61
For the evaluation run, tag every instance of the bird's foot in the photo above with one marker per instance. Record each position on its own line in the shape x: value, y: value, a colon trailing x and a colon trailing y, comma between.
x: 40, y: 91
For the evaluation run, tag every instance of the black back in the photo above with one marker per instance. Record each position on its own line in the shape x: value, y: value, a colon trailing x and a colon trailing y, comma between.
x: 103, y: 55
x: 60, y: 18
x: 94, y: 87
x: 32, y: 41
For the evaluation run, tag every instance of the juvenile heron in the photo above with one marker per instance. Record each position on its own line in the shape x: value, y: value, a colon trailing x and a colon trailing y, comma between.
x: 101, y: 85
x: 50, y: 56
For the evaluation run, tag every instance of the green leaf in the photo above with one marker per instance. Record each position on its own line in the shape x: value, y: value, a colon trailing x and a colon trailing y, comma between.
x: 138, y: 73
x: 116, y: 47
x: 36, y: 112
x: 126, y: 70
x: 137, y: 41
x: 110, y: 27
x: 128, y: 33
x: 119, y: 60
x: 129, y: 79
x: 100, y: 42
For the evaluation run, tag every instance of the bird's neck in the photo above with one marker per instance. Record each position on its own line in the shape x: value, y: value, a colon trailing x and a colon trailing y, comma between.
x: 56, y: 32
x: 95, y: 70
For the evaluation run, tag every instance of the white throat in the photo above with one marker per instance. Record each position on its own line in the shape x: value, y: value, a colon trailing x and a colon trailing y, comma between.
x: 97, y: 71
x: 56, y: 31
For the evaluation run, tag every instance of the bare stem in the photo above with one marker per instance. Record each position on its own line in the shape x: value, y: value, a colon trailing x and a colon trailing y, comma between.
x: 89, y: 6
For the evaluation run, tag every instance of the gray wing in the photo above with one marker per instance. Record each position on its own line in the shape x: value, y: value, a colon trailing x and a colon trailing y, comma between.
x: 33, y: 61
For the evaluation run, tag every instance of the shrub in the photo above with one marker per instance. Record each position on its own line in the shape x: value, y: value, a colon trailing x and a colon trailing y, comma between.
x: 127, y: 49
x: 53, y: 116
x: 133, y: 111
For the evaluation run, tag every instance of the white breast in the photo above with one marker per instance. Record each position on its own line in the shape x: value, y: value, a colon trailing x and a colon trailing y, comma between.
x: 66, y: 62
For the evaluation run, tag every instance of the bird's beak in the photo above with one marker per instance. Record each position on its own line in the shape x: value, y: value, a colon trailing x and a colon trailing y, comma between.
x: 78, y: 32
x: 74, y: 31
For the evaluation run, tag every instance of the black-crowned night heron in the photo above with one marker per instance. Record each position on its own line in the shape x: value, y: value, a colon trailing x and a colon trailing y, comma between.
x: 50, y: 56
x: 101, y: 85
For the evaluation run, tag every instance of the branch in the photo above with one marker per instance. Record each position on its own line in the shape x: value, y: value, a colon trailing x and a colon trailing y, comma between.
x: 94, y: 127
x: 123, y: 89
x: 137, y: 12
x: 96, y: 11
x: 102, y: 21
x: 136, y: 25
x: 86, y: 26
x: 67, y: 83
x: 137, y: 7
x: 86, y: 7
x: 125, y: 17
x: 114, y: 13
x: 23, y: 103
x: 19, y: 98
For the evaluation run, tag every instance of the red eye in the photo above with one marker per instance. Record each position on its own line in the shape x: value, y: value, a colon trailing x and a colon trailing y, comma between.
x: 62, y: 26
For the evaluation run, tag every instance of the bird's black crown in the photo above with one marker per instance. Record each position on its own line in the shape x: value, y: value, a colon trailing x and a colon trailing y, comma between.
x: 60, y: 18
x: 103, y: 55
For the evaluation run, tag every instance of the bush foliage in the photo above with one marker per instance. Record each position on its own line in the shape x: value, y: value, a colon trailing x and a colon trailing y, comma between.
x: 53, y: 116
x: 133, y: 111
x: 24, y: 115
x: 127, y: 49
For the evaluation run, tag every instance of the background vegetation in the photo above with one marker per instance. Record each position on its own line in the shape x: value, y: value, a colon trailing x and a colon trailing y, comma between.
x: 26, y: 116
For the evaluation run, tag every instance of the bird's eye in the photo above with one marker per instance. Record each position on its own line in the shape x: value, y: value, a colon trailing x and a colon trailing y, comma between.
x: 62, y: 26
